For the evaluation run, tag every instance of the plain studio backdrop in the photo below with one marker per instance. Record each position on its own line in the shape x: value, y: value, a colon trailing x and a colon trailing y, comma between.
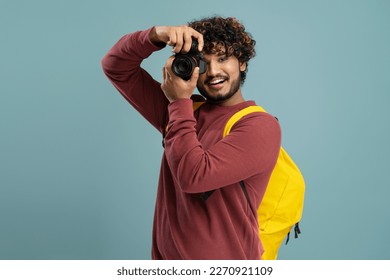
x: 79, y: 167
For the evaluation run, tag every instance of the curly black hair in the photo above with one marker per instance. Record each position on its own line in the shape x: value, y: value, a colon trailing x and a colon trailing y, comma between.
x: 226, y: 36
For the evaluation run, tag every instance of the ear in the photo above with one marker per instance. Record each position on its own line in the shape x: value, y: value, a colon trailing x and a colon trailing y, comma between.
x: 242, y: 66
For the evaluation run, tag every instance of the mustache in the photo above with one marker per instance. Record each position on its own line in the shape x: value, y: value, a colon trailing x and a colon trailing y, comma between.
x: 209, y: 78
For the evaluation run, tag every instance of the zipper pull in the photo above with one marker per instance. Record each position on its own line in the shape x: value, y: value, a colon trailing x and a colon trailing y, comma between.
x: 288, y: 238
x: 297, y: 230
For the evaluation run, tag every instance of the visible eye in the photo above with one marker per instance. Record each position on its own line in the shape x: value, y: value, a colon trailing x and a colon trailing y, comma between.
x: 222, y: 58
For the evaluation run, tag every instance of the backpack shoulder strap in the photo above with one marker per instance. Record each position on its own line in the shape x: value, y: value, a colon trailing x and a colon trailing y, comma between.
x: 237, y: 116
x: 243, y: 187
x: 197, y: 104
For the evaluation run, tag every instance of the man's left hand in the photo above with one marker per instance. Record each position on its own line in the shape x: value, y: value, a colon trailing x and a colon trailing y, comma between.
x: 175, y: 87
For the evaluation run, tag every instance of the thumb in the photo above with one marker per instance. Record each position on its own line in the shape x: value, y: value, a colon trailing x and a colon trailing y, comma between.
x: 195, y: 75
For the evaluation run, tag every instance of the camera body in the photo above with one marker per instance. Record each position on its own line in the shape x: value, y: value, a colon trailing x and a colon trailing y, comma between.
x: 184, y: 64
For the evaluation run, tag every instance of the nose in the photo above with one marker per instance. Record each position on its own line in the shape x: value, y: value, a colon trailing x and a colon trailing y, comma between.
x: 213, y: 68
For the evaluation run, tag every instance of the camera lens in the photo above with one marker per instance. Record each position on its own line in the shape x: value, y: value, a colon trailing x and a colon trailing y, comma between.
x: 183, y: 66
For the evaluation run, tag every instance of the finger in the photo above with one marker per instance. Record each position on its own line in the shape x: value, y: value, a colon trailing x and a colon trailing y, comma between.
x: 172, y: 39
x: 179, y: 42
x: 168, y: 63
x: 168, y: 75
x: 187, y: 42
x: 164, y: 75
x: 195, y: 76
x: 164, y: 81
x: 199, y: 37
x: 168, y: 72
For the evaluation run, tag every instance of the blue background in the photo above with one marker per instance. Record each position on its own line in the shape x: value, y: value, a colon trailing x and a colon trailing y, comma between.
x: 79, y: 167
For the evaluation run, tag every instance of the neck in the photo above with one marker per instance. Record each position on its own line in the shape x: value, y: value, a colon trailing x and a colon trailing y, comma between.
x: 235, y: 99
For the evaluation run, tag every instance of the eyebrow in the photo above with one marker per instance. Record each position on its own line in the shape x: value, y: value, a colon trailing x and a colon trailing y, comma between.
x: 218, y: 55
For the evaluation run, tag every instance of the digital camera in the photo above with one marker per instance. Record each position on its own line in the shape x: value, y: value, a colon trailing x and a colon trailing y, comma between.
x: 184, y: 64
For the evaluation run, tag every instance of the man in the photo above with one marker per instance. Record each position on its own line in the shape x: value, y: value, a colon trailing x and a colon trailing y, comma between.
x: 197, y: 162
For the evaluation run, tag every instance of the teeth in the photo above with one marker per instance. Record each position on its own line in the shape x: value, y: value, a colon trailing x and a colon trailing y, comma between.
x: 216, y: 81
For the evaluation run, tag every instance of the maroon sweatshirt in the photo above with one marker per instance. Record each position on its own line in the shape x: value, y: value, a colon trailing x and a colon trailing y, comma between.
x: 196, y: 160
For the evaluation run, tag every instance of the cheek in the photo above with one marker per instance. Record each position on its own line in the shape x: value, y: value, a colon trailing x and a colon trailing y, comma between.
x: 201, y: 79
x: 233, y: 68
x: 234, y: 72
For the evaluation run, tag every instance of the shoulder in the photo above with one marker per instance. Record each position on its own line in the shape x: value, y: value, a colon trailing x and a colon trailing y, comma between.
x: 258, y: 121
x: 257, y: 133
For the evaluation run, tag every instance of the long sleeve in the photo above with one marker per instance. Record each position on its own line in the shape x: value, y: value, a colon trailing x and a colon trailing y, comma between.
x: 122, y: 65
x: 251, y: 148
x: 197, y: 159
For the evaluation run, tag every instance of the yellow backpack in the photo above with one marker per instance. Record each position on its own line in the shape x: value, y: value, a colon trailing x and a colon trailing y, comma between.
x: 282, y: 204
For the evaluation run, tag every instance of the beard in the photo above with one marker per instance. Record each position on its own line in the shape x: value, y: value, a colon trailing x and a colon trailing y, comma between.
x: 220, y: 97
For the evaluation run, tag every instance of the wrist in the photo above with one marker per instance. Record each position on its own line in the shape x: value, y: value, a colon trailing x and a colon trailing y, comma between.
x: 153, y: 37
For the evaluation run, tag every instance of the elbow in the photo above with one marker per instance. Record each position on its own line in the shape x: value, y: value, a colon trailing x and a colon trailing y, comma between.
x: 193, y: 179
x: 188, y: 186
x: 105, y: 62
x: 110, y: 69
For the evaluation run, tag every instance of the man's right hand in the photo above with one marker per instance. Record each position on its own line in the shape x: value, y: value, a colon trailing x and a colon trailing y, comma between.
x: 179, y: 37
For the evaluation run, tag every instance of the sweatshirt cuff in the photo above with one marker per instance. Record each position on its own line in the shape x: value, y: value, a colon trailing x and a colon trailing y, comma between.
x: 181, y: 109
x: 142, y: 39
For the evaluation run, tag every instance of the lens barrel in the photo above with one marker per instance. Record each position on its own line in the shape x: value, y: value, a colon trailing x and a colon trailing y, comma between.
x: 183, y: 66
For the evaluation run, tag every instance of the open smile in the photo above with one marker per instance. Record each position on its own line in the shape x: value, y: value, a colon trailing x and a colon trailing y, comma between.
x: 216, y: 83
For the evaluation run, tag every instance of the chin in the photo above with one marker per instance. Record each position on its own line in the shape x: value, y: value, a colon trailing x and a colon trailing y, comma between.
x: 217, y: 97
